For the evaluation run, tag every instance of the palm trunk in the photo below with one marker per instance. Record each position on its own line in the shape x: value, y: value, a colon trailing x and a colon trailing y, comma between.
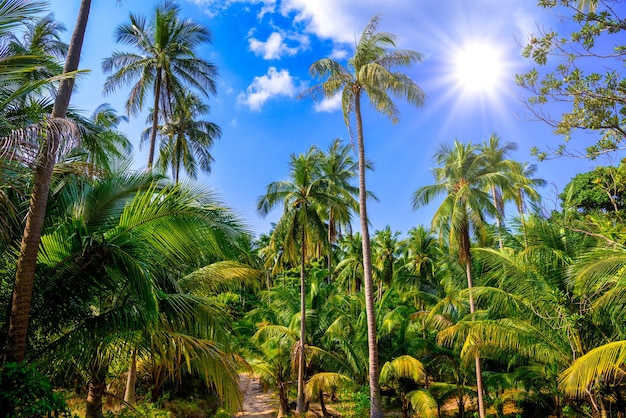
x: 498, y: 215
x: 376, y: 409
x: 131, y: 380
x: 93, y: 407
x: 301, y: 364
x: 323, y: 404
x: 330, y: 246
x: 283, y: 410
x: 479, y: 376
x: 155, y: 117
x: 25, y: 271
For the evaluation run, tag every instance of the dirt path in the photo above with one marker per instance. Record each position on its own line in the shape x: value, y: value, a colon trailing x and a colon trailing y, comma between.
x: 256, y: 403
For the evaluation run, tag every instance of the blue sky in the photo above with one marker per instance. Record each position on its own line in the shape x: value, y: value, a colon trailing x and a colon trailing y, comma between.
x: 263, y: 50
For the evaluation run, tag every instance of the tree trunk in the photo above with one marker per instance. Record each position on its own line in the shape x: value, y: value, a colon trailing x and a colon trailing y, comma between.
x: 131, y: 380
x: 323, y: 405
x: 376, y: 409
x: 301, y: 363
x: 331, y: 221
x: 94, y: 399
x: 405, y: 406
x: 283, y: 400
x: 479, y: 376
x: 461, y: 402
x: 155, y: 117
x: 25, y: 271
x: 498, y: 216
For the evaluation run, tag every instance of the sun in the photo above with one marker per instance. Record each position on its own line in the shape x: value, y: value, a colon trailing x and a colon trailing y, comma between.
x: 478, y: 68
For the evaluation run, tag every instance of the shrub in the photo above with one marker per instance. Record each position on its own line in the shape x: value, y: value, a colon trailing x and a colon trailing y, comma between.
x: 24, y: 392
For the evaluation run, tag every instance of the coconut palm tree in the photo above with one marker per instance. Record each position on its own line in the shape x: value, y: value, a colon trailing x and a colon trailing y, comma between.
x: 385, y: 254
x: 462, y: 176
x: 117, y: 248
x: 533, y: 292
x: 339, y: 168
x: 495, y: 155
x: 371, y: 72
x: 188, y: 139
x: 302, y: 225
x: 349, y: 270
x: 164, y: 64
x: 524, y: 188
x: 25, y: 272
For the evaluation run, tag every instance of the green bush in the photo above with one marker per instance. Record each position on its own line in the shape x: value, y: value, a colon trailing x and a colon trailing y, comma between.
x: 24, y: 392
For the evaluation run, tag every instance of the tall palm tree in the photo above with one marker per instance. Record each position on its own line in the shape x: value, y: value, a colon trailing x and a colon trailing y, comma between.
x: 164, y: 64
x: 495, y: 155
x: 462, y: 176
x: 339, y: 168
x: 188, y: 139
x: 303, y: 226
x: 25, y: 274
x: 369, y: 71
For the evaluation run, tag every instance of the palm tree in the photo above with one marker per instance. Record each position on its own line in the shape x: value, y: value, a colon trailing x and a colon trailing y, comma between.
x: 25, y: 272
x: 117, y: 248
x: 188, y: 138
x: 495, y: 155
x: 101, y: 145
x: 462, y: 177
x: 350, y: 269
x: 339, y: 168
x: 524, y: 188
x: 386, y: 254
x: 302, y: 225
x: 41, y: 36
x: 370, y: 71
x: 164, y: 64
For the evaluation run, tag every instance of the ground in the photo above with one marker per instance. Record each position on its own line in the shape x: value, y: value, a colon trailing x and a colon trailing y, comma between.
x: 256, y: 402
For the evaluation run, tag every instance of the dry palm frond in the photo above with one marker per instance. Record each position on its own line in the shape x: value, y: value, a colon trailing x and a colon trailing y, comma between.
x: 23, y: 145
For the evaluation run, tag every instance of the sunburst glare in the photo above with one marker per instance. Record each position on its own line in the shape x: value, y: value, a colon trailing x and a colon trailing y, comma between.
x: 478, y: 68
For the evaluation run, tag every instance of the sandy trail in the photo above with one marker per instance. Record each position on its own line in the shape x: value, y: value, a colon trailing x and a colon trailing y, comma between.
x: 256, y: 403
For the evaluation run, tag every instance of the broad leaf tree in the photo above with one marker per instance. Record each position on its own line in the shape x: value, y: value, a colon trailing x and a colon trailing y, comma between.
x: 582, y: 68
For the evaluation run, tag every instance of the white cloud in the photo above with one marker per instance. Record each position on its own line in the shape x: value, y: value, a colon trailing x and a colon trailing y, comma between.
x: 271, y: 49
x: 273, y: 84
x: 277, y: 46
x: 329, y: 105
x: 338, y: 53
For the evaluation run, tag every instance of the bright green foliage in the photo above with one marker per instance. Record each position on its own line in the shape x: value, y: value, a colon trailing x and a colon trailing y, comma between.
x: 602, y: 189
x: 25, y: 393
x: 596, y: 97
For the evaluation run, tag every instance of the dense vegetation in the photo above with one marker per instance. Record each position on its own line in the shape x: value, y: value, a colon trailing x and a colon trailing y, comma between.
x: 149, y: 284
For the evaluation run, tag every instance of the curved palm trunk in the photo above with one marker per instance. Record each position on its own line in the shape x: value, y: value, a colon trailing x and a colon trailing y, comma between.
x: 25, y: 274
x: 301, y: 365
x: 376, y: 409
x: 155, y: 117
